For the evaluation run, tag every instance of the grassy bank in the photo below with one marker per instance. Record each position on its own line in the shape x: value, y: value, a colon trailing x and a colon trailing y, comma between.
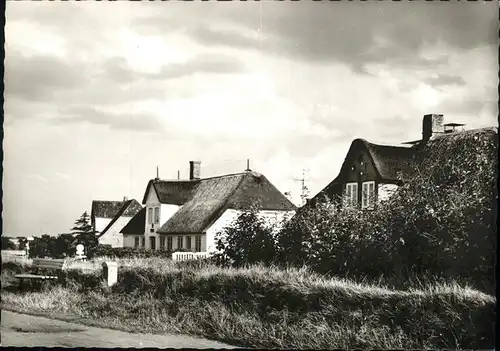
x: 264, y: 307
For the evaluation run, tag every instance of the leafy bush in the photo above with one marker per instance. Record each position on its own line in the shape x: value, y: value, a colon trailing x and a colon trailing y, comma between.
x: 439, y: 224
x: 8, y: 244
x: 128, y: 252
x: 248, y: 240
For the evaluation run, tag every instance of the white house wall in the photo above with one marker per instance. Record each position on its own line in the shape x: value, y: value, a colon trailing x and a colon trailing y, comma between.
x: 166, y: 212
x: 230, y: 215
x: 101, y: 223
x: 385, y: 191
x: 113, y: 236
x: 129, y: 240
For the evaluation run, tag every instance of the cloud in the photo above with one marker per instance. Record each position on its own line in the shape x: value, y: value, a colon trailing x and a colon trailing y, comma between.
x: 133, y: 121
x: 357, y: 34
x: 40, y: 78
x: 117, y: 70
x: 440, y: 80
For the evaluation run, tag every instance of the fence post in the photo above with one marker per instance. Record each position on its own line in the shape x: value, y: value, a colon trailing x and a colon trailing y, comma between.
x: 110, y: 272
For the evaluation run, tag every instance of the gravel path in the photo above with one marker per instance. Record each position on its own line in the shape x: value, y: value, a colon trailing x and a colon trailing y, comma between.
x: 25, y: 330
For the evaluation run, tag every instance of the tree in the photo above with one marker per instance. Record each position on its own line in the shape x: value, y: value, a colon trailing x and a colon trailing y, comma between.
x: 8, y: 244
x: 247, y: 240
x: 64, y: 245
x: 85, y: 234
x: 82, y: 225
x: 43, y: 246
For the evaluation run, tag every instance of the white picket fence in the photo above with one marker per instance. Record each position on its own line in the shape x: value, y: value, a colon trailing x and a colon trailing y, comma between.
x: 185, y: 256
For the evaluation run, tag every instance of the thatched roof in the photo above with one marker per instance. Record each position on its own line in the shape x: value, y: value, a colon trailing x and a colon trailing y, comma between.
x: 105, y: 209
x: 393, y: 163
x: 129, y: 209
x: 173, y: 192
x: 136, y: 223
x: 389, y: 161
x: 209, y: 198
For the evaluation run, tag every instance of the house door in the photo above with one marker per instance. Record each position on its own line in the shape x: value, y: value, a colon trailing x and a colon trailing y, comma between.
x: 152, y: 242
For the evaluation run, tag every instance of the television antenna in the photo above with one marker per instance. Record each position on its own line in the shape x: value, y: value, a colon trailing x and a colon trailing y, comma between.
x: 304, y: 195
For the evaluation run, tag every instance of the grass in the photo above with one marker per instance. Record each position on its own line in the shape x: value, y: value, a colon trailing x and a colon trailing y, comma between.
x: 263, y: 307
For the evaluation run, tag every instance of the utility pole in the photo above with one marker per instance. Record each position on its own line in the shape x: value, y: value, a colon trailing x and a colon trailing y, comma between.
x: 305, y: 190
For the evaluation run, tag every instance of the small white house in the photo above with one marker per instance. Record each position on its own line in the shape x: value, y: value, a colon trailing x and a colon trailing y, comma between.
x: 103, y: 212
x: 187, y: 214
x: 111, y: 234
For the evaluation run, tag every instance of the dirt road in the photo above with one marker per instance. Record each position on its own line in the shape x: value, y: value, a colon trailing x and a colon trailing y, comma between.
x: 24, y: 330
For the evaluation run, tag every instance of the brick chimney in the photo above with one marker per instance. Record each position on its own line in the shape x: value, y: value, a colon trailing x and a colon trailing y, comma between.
x: 125, y: 198
x: 194, y: 170
x: 432, y: 125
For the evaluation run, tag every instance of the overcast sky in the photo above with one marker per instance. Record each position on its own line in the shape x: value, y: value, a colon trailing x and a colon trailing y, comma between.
x: 97, y: 94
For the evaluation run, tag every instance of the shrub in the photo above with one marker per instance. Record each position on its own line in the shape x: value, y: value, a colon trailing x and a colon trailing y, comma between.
x: 128, y: 252
x: 439, y: 224
x: 248, y: 240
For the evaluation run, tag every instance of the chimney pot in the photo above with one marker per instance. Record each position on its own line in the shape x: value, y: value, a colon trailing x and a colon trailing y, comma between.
x: 125, y: 198
x: 432, y: 124
x: 194, y: 170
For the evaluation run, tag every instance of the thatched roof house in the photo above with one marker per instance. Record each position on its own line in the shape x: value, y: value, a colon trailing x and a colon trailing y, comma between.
x: 370, y: 172
x: 177, y: 210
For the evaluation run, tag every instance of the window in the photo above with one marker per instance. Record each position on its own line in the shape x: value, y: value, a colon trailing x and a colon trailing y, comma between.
x: 179, y: 242
x: 143, y: 241
x: 162, y: 243
x: 351, y: 194
x: 157, y: 215
x: 197, y: 243
x: 150, y: 215
x: 152, y: 243
x: 188, y: 243
x: 136, y: 241
x: 169, y: 243
x: 368, y: 198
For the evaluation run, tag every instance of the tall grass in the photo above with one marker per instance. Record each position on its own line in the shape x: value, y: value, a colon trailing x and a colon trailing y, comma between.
x: 260, y: 306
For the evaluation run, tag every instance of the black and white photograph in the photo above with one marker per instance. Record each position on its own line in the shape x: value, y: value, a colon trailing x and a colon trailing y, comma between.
x: 250, y: 174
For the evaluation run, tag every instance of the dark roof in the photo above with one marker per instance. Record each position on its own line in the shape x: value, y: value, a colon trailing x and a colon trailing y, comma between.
x: 392, y: 162
x: 129, y: 209
x: 105, y: 209
x: 389, y: 161
x: 174, y: 192
x: 136, y: 224
x: 209, y: 198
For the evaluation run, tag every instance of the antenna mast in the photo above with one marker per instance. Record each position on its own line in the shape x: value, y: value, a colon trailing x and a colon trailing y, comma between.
x: 305, y: 190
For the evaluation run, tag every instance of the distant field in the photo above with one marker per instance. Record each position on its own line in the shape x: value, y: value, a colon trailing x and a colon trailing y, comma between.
x: 263, y: 307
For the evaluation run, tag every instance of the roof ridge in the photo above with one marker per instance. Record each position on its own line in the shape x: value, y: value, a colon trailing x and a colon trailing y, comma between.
x: 198, y: 180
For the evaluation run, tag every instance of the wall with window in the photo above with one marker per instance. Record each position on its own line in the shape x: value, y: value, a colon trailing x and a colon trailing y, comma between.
x: 134, y: 241
x: 157, y: 213
x: 360, y: 187
x: 191, y: 242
